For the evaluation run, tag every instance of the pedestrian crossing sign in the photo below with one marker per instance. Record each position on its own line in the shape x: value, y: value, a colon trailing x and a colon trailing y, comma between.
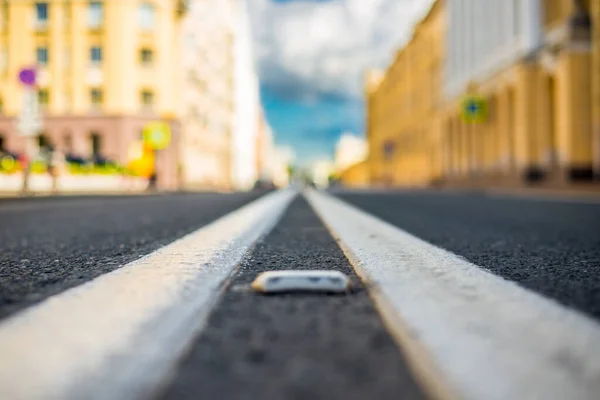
x: 474, y: 109
x: 157, y: 135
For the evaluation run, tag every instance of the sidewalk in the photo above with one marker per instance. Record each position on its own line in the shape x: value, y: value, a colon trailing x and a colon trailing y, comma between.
x: 41, y: 184
x: 584, y: 191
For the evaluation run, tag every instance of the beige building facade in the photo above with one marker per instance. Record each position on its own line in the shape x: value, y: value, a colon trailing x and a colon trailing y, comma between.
x: 105, y: 69
x: 208, y: 113
x: 402, y: 120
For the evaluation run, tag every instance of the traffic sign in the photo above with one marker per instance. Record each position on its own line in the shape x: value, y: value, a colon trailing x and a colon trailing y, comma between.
x: 29, y: 122
x: 388, y: 149
x: 474, y: 109
x: 157, y: 135
x: 27, y: 76
x: 141, y: 160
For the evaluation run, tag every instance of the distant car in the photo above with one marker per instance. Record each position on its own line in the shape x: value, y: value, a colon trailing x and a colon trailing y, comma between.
x: 74, y: 159
x: 263, y: 184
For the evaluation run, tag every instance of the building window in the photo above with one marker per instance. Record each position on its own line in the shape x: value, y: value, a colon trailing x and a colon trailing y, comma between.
x: 96, y: 141
x: 43, y: 97
x: 147, y: 99
x: 4, y: 16
x: 389, y: 148
x: 146, y: 56
x: 96, y: 97
x: 146, y: 15
x: 95, y: 14
x: 96, y: 55
x: 41, y: 14
x: 43, y: 141
x: 41, y: 55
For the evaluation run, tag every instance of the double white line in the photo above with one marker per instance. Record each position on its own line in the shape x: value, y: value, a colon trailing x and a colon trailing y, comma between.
x: 467, y: 333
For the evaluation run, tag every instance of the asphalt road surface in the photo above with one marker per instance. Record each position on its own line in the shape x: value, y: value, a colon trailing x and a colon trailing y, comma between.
x: 549, y: 246
x: 317, y: 346
x: 48, y: 245
x: 297, y: 346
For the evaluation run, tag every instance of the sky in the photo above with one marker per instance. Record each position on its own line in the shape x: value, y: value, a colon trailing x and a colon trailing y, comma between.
x: 311, y: 57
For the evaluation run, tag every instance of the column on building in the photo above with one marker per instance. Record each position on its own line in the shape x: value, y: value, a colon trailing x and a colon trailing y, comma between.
x: 546, y: 119
x: 574, y: 104
x: 447, y: 148
x: 485, y: 144
x: 489, y: 138
x: 458, y: 146
x: 504, y: 130
x: 458, y: 157
x: 527, y: 152
x: 57, y: 66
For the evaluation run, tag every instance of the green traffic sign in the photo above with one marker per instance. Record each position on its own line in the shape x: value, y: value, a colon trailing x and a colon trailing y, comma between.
x: 474, y: 109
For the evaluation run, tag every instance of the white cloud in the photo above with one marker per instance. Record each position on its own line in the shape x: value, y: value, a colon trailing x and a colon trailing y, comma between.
x: 350, y: 149
x: 306, y: 48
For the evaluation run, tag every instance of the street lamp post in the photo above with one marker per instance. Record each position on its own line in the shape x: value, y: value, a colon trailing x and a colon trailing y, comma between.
x: 29, y: 121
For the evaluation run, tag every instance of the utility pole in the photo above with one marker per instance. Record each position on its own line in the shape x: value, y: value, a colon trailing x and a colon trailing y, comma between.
x: 29, y: 122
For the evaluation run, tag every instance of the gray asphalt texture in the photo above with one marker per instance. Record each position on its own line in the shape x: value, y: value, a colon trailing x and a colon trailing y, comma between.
x: 293, y: 346
x: 551, y: 247
x: 48, y: 245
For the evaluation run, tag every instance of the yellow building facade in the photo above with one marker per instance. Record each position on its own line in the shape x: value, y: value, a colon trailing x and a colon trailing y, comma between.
x: 402, y: 125
x: 355, y: 176
x: 104, y: 70
x: 538, y: 125
x: 595, y: 19
x: 532, y: 64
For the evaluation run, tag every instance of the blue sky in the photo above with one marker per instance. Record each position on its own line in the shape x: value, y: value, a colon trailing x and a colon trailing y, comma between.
x: 311, y: 57
x: 312, y: 128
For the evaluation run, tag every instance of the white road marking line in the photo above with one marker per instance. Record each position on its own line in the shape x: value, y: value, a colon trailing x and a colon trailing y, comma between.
x: 480, y: 336
x: 119, y: 335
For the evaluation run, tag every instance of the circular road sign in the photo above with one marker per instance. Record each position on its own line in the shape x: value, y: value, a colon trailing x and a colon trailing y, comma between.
x: 27, y: 76
x: 157, y: 135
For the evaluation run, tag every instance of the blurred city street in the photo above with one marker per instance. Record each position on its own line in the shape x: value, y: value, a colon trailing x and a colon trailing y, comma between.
x: 63, y: 259
x: 299, y: 199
